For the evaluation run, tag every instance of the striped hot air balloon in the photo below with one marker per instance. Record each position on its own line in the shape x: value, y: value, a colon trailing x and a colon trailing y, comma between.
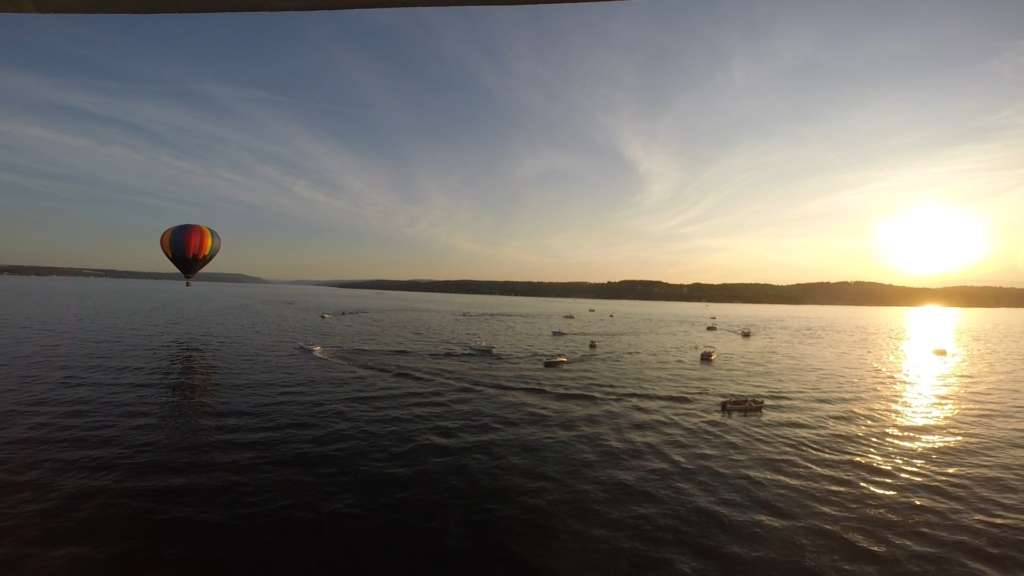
x: 189, y: 247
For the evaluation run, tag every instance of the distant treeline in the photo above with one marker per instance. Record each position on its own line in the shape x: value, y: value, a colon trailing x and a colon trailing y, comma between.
x: 824, y: 293
x: 9, y: 270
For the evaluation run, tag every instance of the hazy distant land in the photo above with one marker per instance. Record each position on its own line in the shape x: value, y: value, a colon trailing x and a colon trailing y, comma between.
x: 823, y: 293
x: 9, y: 270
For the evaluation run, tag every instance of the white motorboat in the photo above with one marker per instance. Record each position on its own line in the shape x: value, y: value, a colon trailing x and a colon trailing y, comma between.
x: 713, y: 327
x: 557, y: 360
x: 570, y: 316
x: 325, y: 315
x: 557, y: 333
x: 481, y: 346
x: 742, y: 405
x: 708, y: 354
x: 310, y: 345
x: 745, y: 332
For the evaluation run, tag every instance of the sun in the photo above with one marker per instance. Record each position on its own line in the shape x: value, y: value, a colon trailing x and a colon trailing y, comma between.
x: 932, y: 239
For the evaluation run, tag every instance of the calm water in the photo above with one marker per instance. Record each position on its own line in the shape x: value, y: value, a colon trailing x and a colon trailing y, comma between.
x: 150, y: 429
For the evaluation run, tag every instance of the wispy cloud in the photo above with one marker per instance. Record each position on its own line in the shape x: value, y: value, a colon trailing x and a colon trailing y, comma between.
x: 656, y: 139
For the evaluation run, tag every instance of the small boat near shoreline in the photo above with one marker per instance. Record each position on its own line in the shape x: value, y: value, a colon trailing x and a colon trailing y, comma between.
x: 481, y: 346
x: 713, y: 327
x: 742, y: 405
x: 708, y: 354
x: 557, y: 360
x: 310, y: 345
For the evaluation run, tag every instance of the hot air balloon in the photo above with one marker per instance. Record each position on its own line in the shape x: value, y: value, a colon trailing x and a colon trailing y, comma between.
x: 189, y: 247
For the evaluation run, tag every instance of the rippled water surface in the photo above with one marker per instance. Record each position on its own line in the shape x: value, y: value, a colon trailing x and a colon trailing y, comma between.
x: 146, y: 428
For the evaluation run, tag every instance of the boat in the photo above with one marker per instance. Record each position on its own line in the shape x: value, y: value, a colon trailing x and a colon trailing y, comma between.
x: 325, y: 315
x: 708, y: 354
x: 310, y: 345
x: 593, y: 343
x: 713, y: 327
x: 939, y: 351
x: 611, y: 315
x: 481, y: 346
x: 745, y: 332
x: 591, y: 309
x: 742, y: 405
x: 557, y: 333
x: 569, y: 316
x: 557, y: 360
x: 714, y: 317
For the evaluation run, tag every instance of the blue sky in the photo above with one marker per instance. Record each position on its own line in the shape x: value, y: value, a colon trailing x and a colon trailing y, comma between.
x: 678, y: 141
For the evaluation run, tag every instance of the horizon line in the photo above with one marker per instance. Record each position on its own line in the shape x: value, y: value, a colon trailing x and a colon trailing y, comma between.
x: 534, y: 281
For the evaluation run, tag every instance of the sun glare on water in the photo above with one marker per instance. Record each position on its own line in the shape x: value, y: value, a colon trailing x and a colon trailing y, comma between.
x: 932, y: 239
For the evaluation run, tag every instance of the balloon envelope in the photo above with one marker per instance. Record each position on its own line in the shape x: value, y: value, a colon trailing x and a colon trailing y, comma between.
x: 190, y: 247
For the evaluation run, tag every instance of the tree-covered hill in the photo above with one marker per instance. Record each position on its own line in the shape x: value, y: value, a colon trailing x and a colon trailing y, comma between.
x: 826, y: 293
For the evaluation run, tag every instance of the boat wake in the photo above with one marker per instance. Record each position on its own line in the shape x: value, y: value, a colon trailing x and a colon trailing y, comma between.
x: 442, y: 375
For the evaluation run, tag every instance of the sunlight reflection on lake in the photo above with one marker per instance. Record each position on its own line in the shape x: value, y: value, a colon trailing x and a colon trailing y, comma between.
x: 923, y: 404
x: 927, y: 383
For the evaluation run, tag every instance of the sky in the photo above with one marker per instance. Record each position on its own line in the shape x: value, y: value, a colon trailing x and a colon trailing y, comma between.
x: 667, y: 140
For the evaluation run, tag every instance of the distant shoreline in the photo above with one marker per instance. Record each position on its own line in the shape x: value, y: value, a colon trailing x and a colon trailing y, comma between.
x: 13, y: 270
x: 817, y: 293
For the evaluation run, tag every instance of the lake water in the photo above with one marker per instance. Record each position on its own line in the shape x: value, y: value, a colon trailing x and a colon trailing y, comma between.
x: 146, y: 428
